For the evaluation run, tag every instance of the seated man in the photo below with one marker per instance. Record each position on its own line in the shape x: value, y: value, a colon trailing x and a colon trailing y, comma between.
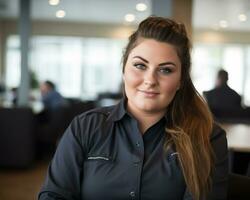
x: 222, y: 96
x: 50, y: 97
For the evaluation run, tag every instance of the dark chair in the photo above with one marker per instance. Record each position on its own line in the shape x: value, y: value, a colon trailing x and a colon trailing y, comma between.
x: 17, y: 140
x: 238, y: 187
x: 248, y: 169
x: 50, y: 125
x: 49, y: 131
x: 77, y: 108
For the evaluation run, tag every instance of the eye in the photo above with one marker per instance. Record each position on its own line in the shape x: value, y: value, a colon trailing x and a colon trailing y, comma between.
x: 139, y: 66
x: 165, y: 70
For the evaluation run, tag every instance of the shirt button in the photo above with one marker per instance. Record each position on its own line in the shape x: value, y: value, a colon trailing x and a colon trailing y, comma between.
x: 137, y: 144
x: 132, y: 194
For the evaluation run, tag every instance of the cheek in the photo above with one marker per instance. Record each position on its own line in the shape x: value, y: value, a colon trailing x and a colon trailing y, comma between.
x: 170, y: 86
x: 131, y: 78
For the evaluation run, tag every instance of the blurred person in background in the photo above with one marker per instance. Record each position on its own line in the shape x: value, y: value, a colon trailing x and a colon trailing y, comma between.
x: 51, y: 98
x: 159, y: 142
x: 52, y: 101
x: 222, y: 96
x: 226, y: 105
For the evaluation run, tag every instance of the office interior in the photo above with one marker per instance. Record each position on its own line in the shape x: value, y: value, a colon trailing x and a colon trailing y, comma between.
x: 78, y: 44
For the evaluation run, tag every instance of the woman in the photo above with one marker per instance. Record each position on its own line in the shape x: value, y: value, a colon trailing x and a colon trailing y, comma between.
x: 158, y: 143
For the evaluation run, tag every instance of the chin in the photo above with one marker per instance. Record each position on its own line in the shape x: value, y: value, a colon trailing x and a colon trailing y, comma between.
x: 149, y: 107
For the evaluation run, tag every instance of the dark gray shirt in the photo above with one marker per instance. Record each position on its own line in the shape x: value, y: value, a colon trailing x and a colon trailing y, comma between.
x: 103, y: 155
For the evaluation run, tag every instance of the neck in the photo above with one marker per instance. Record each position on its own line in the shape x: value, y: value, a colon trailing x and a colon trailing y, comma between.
x: 146, y: 119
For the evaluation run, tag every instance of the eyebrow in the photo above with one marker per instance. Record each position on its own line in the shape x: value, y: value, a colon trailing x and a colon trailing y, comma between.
x: 161, y: 64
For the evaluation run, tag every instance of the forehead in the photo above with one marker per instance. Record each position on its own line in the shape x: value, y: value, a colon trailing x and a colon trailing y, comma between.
x: 153, y: 49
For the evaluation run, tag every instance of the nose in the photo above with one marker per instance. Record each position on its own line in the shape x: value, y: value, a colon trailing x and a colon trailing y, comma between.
x: 150, y: 78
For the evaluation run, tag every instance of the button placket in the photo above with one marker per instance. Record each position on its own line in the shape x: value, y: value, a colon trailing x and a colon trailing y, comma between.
x: 137, y: 160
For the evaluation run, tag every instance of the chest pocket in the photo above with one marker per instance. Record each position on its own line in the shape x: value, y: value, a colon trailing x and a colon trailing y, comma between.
x: 98, y: 158
x: 97, y: 171
x: 98, y: 164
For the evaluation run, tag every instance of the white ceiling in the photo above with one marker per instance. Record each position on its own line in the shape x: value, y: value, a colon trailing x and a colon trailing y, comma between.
x: 206, y: 13
x: 104, y: 11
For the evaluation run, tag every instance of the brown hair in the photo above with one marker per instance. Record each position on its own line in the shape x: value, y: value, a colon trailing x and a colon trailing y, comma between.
x: 189, y: 123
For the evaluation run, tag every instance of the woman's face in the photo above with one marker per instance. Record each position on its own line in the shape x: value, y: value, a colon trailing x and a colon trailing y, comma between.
x: 151, y: 76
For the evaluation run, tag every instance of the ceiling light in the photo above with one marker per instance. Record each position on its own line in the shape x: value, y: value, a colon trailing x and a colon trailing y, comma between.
x: 141, y: 7
x: 223, y: 23
x: 129, y: 17
x: 242, y: 17
x: 60, y: 13
x: 54, y: 2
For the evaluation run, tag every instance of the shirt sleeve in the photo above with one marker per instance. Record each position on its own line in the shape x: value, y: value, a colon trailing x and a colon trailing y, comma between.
x: 64, y: 174
x: 221, y: 170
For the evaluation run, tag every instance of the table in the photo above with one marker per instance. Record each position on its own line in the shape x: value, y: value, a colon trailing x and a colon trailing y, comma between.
x: 238, y: 137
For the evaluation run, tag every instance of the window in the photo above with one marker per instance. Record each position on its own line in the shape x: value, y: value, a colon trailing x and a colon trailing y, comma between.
x: 246, y: 86
x: 80, y: 67
x: 206, y: 61
x: 13, y: 59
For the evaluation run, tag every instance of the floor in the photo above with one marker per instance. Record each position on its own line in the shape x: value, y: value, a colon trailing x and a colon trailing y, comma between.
x: 22, y: 184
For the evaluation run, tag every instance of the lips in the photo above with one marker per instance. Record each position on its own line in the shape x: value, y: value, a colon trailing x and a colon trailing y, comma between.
x: 149, y: 93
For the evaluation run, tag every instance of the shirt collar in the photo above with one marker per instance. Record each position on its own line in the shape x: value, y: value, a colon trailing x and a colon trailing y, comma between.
x: 119, y: 110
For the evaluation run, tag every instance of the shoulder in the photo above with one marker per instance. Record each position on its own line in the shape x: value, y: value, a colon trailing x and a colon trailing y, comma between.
x: 209, y: 92
x: 219, y: 142
x: 94, y: 116
x: 90, y: 125
x: 217, y: 132
x: 218, y: 135
x: 101, y: 112
x: 220, y: 163
x: 234, y: 92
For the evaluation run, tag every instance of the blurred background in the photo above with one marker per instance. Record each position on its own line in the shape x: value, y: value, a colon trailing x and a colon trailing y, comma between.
x: 78, y: 45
